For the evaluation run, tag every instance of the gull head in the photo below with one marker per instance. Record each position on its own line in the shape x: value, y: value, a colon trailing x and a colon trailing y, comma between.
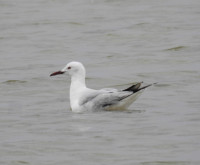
x: 73, y: 69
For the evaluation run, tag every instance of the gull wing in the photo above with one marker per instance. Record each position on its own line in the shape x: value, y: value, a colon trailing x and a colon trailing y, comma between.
x: 111, y: 98
x: 98, y: 99
x: 102, y: 98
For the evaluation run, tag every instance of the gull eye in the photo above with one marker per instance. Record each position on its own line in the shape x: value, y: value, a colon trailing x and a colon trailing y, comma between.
x: 69, y: 67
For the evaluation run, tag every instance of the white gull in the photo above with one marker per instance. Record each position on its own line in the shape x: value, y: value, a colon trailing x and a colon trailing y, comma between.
x: 83, y: 98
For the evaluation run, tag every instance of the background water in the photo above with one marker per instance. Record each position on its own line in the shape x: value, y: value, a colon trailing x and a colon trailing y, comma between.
x: 119, y: 42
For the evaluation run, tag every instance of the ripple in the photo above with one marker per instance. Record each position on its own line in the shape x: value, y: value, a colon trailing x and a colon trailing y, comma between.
x: 166, y: 163
x: 14, y: 82
x: 22, y: 162
x: 177, y: 48
x: 162, y: 85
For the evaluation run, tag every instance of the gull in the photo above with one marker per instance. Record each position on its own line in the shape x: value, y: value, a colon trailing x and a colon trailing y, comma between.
x: 83, y: 98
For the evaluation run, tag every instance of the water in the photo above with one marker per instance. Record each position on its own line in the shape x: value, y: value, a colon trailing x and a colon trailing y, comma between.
x: 119, y: 42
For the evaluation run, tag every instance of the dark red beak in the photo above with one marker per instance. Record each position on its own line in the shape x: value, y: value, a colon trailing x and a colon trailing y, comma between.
x: 56, y: 73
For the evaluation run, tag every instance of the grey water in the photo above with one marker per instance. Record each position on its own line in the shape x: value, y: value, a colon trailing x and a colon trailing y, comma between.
x: 119, y: 42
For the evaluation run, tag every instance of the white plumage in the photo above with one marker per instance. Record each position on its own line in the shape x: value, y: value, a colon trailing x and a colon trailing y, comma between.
x: 83, y: 98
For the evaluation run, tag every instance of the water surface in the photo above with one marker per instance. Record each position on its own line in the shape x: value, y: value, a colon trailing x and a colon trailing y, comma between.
x: 119, y: 42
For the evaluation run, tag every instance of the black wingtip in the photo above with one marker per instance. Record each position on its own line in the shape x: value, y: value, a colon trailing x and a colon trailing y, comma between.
x: 134, y: 87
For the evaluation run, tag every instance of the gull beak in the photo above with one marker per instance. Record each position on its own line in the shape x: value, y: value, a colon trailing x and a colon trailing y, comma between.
x: 56, y: 73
